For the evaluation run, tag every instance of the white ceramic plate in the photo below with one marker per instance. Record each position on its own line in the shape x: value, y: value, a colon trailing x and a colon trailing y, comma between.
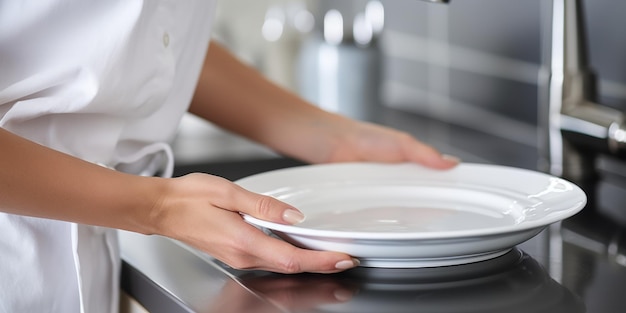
x: 405, y: 215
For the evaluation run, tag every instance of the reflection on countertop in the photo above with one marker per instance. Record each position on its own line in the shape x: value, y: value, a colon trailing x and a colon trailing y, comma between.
x: 594, y: 267
x: 514, y: 282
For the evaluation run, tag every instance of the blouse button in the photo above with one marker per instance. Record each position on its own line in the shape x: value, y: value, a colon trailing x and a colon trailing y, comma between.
x: 166, y: 39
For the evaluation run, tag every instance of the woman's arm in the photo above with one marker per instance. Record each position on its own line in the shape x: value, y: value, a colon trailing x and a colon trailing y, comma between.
x: 238, y: 98
x: 41, y: 182
x: 198, y: 209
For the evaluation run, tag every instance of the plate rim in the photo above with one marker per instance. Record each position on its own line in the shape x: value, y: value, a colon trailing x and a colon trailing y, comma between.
x: 564, y: 213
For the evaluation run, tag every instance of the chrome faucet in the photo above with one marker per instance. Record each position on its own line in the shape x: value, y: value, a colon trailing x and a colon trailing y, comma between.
x: 574, y: 128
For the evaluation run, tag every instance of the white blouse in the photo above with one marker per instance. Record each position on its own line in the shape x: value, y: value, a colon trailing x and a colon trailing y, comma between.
x: 105, y: 81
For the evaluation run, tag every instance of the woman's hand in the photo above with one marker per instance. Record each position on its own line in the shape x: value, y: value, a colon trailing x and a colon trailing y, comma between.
x: 327, y: 138
x: 204, y: 211
x: 352, y: 140
x: 285, y: 122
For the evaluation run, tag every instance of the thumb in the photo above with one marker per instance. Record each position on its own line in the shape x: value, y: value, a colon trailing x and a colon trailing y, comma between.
x: 266, y: 208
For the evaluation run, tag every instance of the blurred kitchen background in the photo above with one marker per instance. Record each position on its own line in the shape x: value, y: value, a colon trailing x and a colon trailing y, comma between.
x: 472, y: 65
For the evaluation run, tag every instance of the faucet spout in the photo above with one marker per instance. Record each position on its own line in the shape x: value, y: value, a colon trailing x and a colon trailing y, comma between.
x: 574, y: 127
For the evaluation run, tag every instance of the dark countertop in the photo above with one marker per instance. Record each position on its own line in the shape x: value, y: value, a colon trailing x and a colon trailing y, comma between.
x: 575, y: 266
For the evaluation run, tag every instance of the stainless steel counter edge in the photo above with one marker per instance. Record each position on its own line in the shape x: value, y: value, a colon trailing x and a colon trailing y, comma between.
x: 165, y: 276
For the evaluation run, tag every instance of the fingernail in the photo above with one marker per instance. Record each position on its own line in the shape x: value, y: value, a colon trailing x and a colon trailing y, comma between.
x: 346, y: 264
x: 450, y: 158
x: 343, y: 295
x: 292, y: 216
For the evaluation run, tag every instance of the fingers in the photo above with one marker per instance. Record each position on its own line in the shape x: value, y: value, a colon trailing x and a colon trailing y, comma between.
x: 448, y: 161
x: 262, y: 207
x: 289, y: 259
x: 279, y: 256
x: 426, y: 155
x: 208, y: 217
x: 243, y: 246
x: 382, y: 144
x: 224, y: 194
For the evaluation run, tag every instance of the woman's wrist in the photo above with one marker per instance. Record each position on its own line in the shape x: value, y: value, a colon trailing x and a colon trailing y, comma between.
x: 155, y: 209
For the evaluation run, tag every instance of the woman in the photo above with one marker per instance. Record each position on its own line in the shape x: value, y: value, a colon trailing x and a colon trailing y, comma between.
x: 90, y: 93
